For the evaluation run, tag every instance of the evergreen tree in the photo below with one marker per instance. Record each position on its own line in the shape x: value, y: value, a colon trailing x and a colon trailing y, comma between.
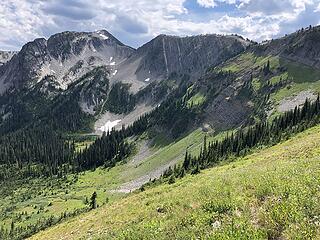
x: 93, y: 201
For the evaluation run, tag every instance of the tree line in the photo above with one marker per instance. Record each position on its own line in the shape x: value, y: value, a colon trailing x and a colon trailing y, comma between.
x: 237, y: 144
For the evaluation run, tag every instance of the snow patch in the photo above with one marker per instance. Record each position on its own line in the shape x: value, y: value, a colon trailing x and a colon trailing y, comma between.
x: 104, y: 37
x: 109, y: 125
x: 111, y: 59
x: 115, y: 72
x: 113, y: 63
x: 147, y: 80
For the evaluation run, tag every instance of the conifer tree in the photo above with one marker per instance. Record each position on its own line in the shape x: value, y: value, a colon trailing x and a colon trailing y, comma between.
x: 93, y: 201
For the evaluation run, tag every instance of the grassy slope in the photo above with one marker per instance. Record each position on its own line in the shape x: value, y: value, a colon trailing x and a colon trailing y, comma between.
x: 42, y: 198
x: 272, y: 193
x: 302, y: 77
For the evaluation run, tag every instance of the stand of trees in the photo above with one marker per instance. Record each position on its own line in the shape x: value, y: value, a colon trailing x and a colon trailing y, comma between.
x: 242, y: 142
x: 30, y: 146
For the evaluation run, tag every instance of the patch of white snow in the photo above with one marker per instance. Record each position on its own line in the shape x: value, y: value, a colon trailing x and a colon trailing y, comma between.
x: 109, y: 125
x: 113, y: 63
x: 147, y: 80
x: 104, y: 37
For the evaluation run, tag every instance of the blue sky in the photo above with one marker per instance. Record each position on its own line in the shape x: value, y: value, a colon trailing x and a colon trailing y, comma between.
x: 136, y: 22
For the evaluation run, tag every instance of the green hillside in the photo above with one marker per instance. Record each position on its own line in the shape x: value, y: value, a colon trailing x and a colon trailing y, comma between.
x: 208, y: 161
x: 34, y: 200
x: 270, y: 194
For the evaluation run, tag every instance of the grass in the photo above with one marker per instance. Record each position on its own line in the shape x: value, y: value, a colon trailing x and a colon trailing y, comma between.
x: 293, y: 89
x: 249, y: 60
x: 270, y: 194
x: 277, y: 79
x: 196, y: 100
x: 302, y: 78
x: 256, y: 84
x: 43, y: 197
x: 300, y: 73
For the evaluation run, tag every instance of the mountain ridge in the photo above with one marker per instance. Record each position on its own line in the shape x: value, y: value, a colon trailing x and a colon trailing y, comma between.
x: 52, y: 66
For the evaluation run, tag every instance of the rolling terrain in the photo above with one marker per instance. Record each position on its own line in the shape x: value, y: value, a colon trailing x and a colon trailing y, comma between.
x: 271, y: 193
x: 82, y: 113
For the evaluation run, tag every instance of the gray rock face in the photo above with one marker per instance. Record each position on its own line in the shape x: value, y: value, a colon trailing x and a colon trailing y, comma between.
x: 65, y: 56
x: 172, y: 57
x: 68, y: 63
x: 302, y: 46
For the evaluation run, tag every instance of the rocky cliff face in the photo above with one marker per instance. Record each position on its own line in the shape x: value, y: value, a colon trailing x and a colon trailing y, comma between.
x: 65, y: 56
x: 81, y: 68
x: 178, y: 57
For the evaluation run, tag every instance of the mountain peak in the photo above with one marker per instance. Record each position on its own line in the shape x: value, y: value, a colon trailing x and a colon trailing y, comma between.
x: 66, y: 56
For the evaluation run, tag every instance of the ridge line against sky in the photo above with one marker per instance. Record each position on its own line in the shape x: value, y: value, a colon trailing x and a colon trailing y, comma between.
x: 136, y: 22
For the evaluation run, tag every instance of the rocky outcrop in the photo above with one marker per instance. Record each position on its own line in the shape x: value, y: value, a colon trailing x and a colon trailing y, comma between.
x: 65, y: 56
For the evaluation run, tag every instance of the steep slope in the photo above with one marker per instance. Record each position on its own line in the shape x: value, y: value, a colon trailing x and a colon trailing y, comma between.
x: 269, y: 194
x: 65, y: 56
x: 135, y: 81
x: 166, y: 63
x: 262, y: 81
x: 171, y: 57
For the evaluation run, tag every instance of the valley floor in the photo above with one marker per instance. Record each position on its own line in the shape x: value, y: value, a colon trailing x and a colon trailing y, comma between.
x: 270, y: 194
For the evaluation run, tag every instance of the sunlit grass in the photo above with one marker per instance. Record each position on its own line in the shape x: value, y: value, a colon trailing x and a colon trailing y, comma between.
x: 273, y: 193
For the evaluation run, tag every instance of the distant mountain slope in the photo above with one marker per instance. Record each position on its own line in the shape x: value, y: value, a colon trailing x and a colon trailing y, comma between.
x: 267, y: 195
x: 134, y: 81
x: 262, y: 81
x: 178, y: 57
x: 228, y: 81
x: 65, y: 56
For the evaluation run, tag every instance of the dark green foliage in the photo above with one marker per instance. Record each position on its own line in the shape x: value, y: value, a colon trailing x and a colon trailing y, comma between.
x: 174, y: 114
x: 172, y: 179
x: 105, y: 151
x: 47, y: 105
x: 120, y: 100
x: 93, y: 201
x: 42, y: 146
x: 266, y: 68
x: 66, y: 115
x: 17, y: 232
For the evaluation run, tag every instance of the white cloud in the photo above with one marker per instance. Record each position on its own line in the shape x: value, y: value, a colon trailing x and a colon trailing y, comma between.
x: 137, y: 21
x: 207, y: 3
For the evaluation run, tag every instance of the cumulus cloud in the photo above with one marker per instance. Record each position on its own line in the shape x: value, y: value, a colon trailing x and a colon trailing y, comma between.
x: 135, y: 22
x: 207, y: 3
